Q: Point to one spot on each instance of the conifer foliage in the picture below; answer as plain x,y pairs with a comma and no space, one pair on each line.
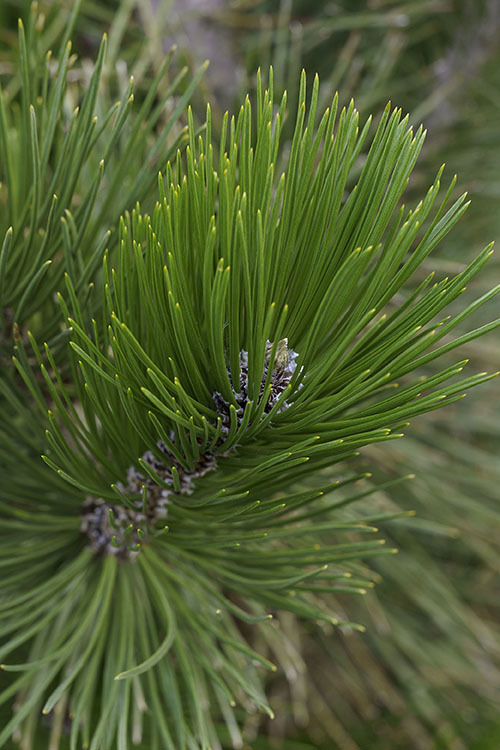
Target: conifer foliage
261,323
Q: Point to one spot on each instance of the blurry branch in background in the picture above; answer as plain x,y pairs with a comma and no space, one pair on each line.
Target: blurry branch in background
73,159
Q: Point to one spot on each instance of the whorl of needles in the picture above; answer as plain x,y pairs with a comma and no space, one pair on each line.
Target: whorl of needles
116,530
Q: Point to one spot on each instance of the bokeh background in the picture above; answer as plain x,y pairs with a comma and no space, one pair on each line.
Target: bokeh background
426,674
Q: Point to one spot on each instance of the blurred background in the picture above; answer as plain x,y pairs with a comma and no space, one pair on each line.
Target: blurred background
426,674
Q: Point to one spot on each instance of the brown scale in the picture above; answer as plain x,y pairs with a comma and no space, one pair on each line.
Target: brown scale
97,526
284,367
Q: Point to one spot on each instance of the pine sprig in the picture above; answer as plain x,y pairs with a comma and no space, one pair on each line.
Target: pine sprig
188,297
248,337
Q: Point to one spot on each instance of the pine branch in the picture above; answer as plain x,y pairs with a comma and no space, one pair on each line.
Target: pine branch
247,337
